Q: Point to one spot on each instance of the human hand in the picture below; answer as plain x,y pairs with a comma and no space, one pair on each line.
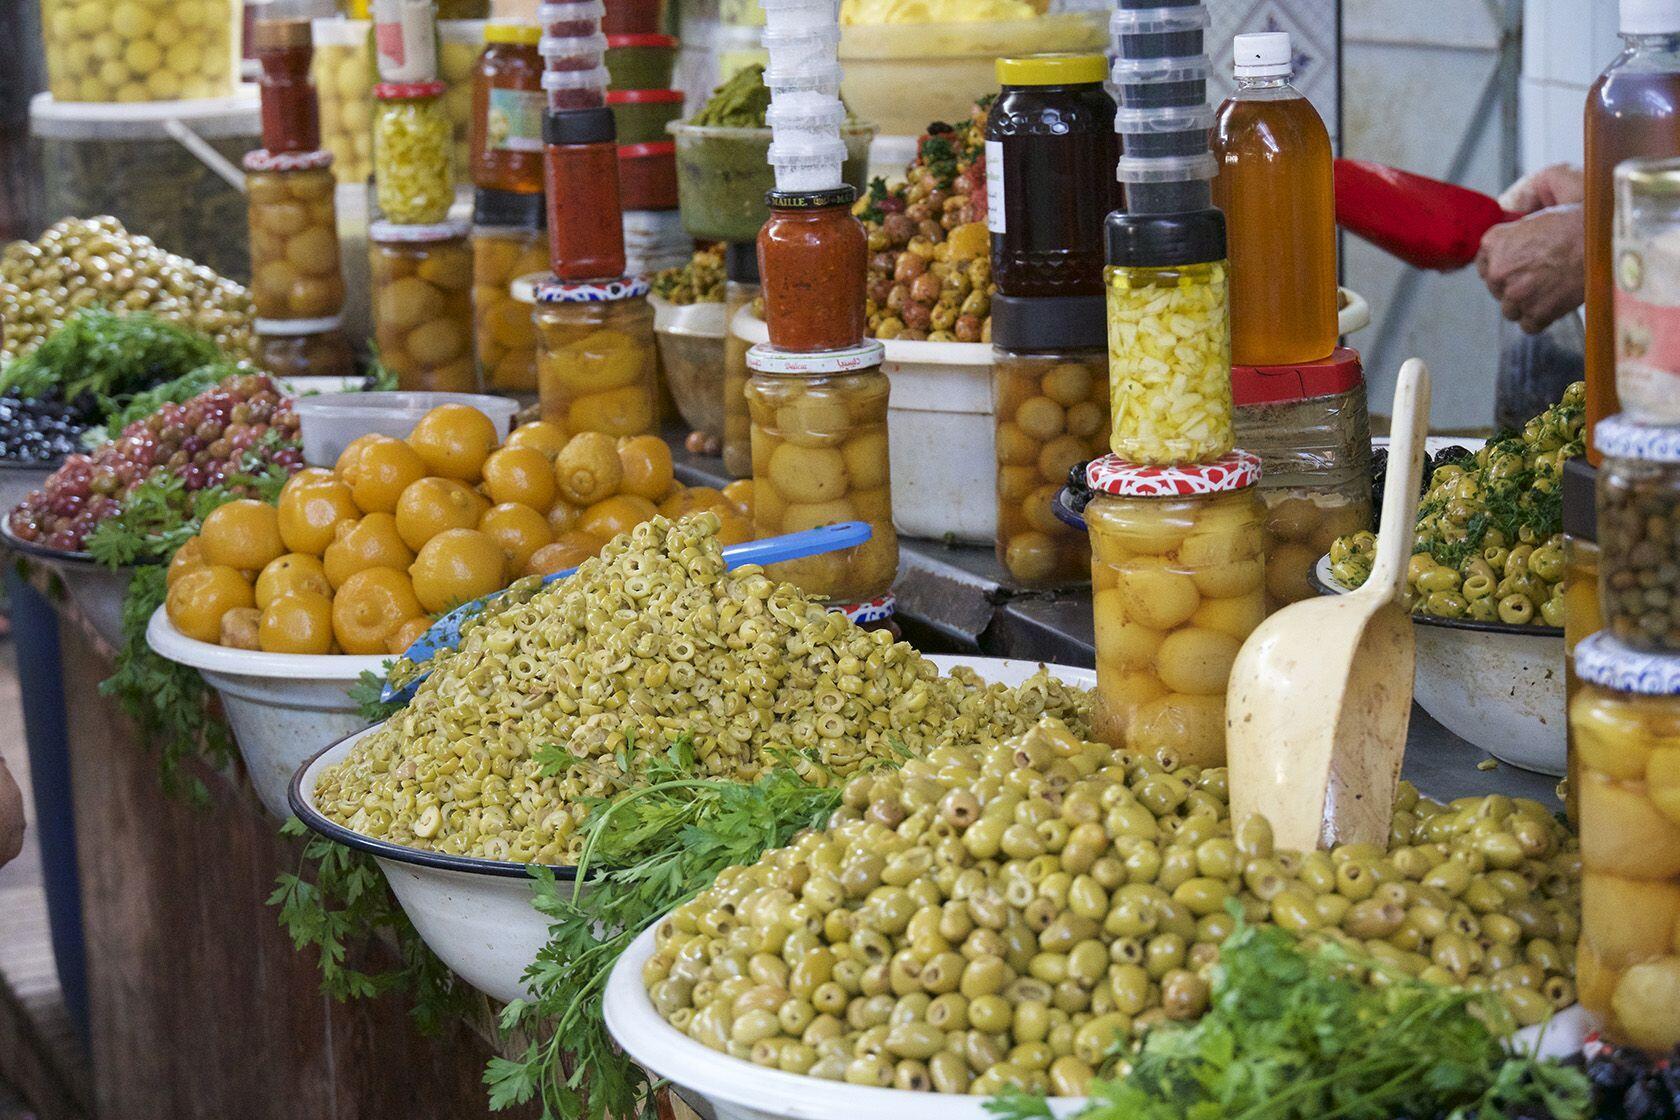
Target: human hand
1561,184
1536,266
11,816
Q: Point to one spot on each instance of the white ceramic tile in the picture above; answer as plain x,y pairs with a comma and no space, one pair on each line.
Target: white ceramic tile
1533,123
1537,25
1459,23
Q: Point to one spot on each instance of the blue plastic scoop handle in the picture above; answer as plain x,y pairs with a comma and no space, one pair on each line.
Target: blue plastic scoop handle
446,631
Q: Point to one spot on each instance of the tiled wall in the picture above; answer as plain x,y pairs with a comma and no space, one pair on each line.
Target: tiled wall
1565,45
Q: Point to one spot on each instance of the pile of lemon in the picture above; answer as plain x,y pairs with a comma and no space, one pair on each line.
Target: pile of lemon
361,558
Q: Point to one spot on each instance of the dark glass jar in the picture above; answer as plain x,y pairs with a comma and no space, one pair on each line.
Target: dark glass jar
291,120
1051,152
813,256
506,142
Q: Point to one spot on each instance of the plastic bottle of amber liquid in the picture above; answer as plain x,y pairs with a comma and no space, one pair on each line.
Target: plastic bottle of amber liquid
1633,110
1274,185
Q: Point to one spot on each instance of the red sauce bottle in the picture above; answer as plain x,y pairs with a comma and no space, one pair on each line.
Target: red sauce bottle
813,256
291,119
585,219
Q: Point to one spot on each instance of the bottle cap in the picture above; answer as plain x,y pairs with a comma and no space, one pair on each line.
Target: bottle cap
1234,470
1047,324
579,126
508,209
1601,660
1266,54
1161,19
296,328
1052,70
1300,381
1164,240
396,232
598,291
261,159
843,195
1650,17
520,34
409,91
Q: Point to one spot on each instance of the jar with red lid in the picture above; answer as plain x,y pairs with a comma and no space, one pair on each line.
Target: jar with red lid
295,268
303,348
291,120
585,218
597,361
1309,424
641,61
505,133
813,256
412,140
422,304
1178,584
641,115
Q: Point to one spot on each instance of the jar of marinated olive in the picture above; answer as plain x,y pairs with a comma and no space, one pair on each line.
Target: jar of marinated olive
1639,533
295,271
740,290
1050,402
413,138
422,304
1309,424
143,50
1178,583
1169,337
1581,615
304,348
819,452
509,241
1626,723
597,367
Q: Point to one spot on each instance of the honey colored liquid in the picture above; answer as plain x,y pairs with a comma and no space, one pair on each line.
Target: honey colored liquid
1631,112
1274,185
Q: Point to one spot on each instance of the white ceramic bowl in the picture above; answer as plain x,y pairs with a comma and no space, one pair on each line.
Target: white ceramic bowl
476,914
281,706
1497,686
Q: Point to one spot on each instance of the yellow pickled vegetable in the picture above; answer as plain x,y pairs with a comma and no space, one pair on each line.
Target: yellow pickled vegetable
411,140
934,11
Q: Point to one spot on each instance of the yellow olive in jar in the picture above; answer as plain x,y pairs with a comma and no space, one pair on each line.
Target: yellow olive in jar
874,506
1041,418
1287,566
1237,616
1068,383
798,518
814,419
808,474
1229,580
1131,690
1190,728
1015,447
1628,920
1085,420
408,302
436,343
1058,456
1611,739
314,251
1016,483
450,271
1647,1004
1126,643
284,217
866,459
621,412
1629,836
1032,556
1040,508
1291,518
1127,531
1155,596
1197,662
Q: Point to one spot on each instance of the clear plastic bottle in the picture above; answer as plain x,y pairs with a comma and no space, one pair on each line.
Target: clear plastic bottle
1274,185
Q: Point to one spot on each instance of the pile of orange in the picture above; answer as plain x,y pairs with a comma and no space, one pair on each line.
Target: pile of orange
361,558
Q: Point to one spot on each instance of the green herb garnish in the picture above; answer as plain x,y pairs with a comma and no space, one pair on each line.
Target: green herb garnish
108,355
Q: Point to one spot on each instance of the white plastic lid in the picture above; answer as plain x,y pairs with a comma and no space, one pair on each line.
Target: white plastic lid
336,31
1617,437
1264,54
387,231
1159,21
570,11
212,118
524,288
801,149
296,328
596,78
1601,660
1650,17
821,79
1153,71
1165,118
468,31
801,38
807,111
583,46
1166,169
767,359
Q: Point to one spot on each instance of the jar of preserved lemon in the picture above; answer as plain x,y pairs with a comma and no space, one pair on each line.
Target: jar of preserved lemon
1178,583
819,453
1169,337
597,366
1050,402
740,290
140,50
303,348
412,142
1626,723
422,304
1581,615
295,271
509,241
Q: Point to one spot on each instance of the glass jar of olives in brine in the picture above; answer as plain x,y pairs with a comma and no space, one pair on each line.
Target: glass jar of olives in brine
819,451
741,289
1178,583
1581,615
422,304
303,348
295,271
597,365
1639,533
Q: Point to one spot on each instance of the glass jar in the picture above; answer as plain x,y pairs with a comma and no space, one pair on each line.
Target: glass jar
142,50
295,267
1581,615
304,348
813,256
411,141
585,216
506,142
1050,157
1647,294
1639,533
597,365
422,304
819,450
1050,402
291,120
1178,583
1311,428
508,242
740,291
1626,721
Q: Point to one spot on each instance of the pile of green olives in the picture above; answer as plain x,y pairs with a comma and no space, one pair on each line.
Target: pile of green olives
990,916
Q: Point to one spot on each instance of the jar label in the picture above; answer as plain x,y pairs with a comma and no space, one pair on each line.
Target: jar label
1647,332
994,187
513,120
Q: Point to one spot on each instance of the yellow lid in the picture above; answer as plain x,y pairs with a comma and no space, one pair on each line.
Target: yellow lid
525,34
1052,70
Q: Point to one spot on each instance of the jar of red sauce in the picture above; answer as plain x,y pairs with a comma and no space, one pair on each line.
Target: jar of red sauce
291,120
507,111
813,256
585,220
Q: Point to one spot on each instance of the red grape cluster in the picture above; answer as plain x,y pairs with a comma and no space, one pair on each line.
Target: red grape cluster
203,440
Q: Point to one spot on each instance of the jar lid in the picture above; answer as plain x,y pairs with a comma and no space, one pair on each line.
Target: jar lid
1166,169
1159,20
396,232
1580,500
1022,324
1150,120
569,11
1052,70
408,91
509,209
520,34
843,195
767,359
644,39
1600,659
595,291
1160,71
644,96
1234,470
1161,240
579,126
878,609
280,34
293,328
1339,373
653,149
576,46
1617,437
595,78
261,159
524,288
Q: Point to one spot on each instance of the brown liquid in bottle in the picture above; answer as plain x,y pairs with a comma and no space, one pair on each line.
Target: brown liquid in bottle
1631,112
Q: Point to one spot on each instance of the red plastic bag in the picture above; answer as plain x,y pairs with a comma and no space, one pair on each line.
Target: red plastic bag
1423,221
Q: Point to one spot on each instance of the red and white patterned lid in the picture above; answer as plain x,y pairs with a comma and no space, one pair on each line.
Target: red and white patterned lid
409,91
261,159
870,610
1233,471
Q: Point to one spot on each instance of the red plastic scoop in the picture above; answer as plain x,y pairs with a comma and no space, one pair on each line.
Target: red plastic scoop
1423,221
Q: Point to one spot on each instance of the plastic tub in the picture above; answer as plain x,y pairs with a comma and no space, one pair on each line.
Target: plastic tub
329,423
644,61
634,17
690,340
724,173
641,115
647,176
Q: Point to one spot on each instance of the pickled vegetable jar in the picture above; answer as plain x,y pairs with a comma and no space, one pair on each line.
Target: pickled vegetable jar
819,451
814,256
1178,583
140,50
1626,722
1050,401
505,137
1309,424
1581,615
508,242
295,268
413,183
1639,533
304,348
597,365
422,304
740,291
1169,337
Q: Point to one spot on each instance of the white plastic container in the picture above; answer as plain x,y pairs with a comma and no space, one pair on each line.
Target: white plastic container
328,423
690,338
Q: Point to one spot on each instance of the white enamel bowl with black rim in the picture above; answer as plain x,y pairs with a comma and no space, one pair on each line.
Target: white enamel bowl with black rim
476,914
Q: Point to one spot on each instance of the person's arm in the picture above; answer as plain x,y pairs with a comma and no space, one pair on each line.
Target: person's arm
1536,266
11,816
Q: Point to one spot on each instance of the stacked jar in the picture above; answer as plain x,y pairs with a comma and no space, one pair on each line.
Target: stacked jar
740,292
422,304
1582,617
505,140
509,241
597,367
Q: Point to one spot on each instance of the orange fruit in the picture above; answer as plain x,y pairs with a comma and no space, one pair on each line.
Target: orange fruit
387,468
291,572
372,542
519,474
202,596
454,440
587,468
309,515
457,566
350,458
307,477
563,516
617,514
242,534
543,435
569,549
740,495
406,635
369,605
297,622
240,627
433,505
647,467
693,499
520,530
188,557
